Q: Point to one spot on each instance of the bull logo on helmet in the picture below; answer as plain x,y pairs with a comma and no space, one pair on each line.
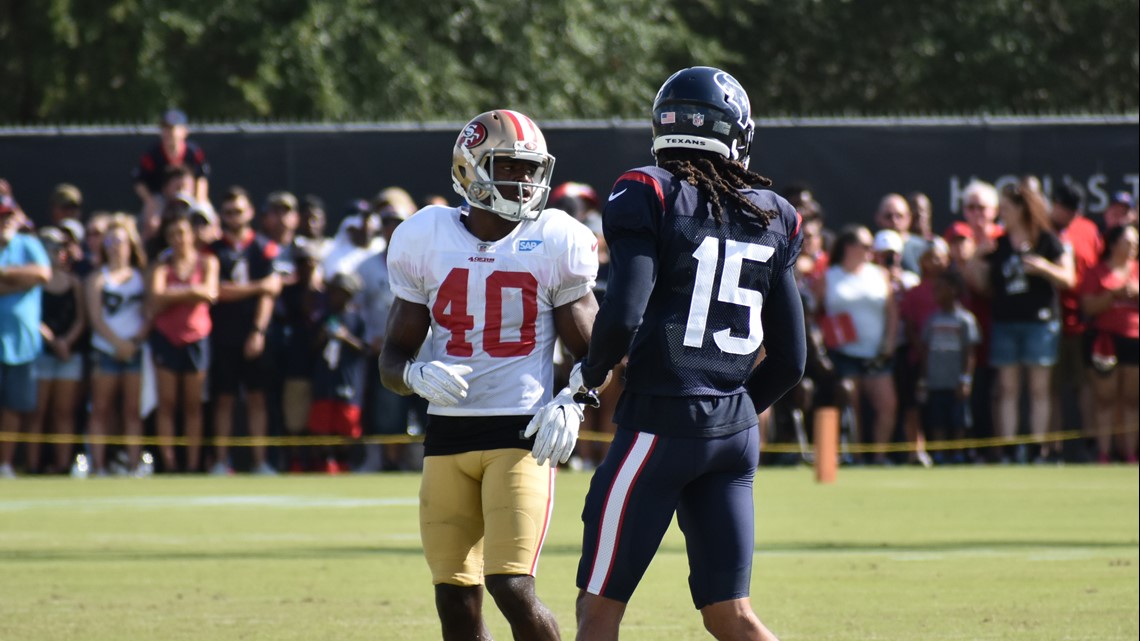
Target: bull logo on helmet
734,95
472,135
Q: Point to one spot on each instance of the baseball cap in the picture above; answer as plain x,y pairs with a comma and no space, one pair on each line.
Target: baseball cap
888,240
7,204
281,199
575,190
389,213
174,118
1122,198
74,228
958,229
347,281
52,238
205,213
66,194
184,198
358,207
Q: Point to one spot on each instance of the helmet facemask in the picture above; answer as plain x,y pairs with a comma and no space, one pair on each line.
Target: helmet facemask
494,137
529,198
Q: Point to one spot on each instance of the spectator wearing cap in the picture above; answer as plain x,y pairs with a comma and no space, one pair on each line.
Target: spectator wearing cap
303,302
311,226
1121,211
174,149
74,234
1081,240
180,289
353,242
888,247
175,196
860,325
396,197
207,227
247,287
279,221
894,214
338,379
59,367
916,306
66,202
24,269
960,239
385,412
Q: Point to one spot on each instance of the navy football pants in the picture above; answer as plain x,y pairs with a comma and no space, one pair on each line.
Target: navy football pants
644,479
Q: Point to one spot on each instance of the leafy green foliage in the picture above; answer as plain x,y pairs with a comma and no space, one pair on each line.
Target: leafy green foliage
340,60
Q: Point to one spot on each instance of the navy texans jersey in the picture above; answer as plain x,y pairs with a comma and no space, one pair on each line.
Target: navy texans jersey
249,260
701,330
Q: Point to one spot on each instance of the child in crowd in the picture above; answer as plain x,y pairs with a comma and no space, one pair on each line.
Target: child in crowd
338,378
948,341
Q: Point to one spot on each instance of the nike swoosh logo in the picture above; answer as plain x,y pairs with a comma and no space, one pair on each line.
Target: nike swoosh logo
614,195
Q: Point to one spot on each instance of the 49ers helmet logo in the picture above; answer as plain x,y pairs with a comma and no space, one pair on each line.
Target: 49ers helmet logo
473,134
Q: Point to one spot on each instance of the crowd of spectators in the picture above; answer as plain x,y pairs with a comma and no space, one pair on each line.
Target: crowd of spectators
185,319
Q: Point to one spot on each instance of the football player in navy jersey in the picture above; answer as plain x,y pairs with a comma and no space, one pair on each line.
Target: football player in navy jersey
701,274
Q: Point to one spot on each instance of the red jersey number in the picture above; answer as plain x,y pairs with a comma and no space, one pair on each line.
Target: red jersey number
450,311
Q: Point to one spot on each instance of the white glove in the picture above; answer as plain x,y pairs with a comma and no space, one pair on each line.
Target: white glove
557,427
439,383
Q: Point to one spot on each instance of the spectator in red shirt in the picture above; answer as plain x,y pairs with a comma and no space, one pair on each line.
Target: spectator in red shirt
1109,298
173,149
181,288
1081,239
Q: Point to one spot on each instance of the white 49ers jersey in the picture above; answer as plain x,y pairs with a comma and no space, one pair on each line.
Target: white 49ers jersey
491,302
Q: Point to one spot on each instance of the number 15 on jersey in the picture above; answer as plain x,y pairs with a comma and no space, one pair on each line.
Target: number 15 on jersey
728,291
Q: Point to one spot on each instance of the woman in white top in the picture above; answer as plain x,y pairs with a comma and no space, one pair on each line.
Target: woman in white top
858,301
115,297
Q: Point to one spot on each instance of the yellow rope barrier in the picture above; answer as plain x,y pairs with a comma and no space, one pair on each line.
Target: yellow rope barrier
307,441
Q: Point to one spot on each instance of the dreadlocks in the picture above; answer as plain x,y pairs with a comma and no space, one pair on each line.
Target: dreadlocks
718,178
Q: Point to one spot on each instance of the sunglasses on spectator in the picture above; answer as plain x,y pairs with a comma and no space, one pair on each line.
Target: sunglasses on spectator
232,211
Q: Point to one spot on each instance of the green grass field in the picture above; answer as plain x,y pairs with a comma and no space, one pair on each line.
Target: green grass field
885,554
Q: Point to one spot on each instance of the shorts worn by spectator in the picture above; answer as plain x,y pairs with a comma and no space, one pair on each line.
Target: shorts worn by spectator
247,287
24,268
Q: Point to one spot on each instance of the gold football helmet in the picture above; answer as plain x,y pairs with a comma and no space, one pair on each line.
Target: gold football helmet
501,134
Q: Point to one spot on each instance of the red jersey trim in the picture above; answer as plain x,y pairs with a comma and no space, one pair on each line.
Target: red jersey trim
645,179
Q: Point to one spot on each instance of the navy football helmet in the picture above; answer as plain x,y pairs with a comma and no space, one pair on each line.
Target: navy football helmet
703,108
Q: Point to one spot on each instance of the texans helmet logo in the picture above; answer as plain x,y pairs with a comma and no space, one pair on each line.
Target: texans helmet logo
473,134
735,96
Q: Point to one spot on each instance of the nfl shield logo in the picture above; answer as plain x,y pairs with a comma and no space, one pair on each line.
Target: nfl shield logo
698,120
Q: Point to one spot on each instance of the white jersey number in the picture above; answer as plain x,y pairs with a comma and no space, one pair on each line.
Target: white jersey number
729,291
450,311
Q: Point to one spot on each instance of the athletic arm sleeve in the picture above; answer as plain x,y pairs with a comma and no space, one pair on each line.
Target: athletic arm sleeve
629,221
633,272
783,366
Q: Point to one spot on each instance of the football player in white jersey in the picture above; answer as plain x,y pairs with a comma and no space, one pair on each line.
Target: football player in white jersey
496,282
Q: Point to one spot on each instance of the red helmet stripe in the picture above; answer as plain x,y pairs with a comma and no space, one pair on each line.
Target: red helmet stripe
517,120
